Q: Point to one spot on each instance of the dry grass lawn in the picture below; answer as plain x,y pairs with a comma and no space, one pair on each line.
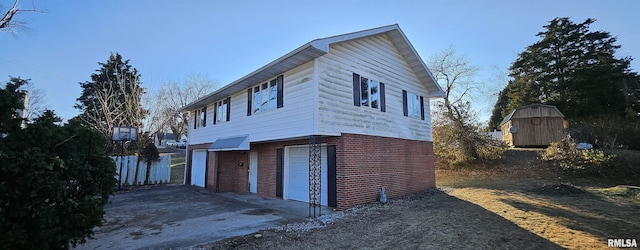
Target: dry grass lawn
177,168
569,212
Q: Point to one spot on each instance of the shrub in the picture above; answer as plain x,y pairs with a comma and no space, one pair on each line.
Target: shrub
565,154
480,148
607,132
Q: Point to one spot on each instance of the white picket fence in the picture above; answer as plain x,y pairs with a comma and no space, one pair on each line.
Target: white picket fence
160,170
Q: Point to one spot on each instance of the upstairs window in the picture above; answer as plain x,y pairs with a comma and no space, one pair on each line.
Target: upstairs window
412,105
200,118
265,96
368,93
222,111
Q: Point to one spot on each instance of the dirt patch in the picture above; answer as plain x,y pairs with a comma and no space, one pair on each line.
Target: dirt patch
518,203
432,219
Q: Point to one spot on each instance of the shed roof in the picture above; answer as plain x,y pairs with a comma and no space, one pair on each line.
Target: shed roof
317,48
510,115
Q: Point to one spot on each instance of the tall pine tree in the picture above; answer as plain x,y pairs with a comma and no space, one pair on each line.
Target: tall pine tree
499,110
112,97
572,68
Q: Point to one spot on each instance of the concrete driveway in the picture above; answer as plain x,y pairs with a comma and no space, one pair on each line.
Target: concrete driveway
178,216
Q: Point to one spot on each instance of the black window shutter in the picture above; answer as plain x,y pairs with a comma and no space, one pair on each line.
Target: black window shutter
421,108
204,121
383,103
280,83
215,113
405,110
249,98
195,118
228,101
332,193
279,166
356,89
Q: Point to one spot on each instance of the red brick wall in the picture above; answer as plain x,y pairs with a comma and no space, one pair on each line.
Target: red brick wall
212,172
365,164
234,171
267,162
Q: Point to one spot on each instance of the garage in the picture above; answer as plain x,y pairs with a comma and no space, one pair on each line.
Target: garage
296,174
198,166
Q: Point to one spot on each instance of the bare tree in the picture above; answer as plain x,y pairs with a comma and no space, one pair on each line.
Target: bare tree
456,131
35,104
165,104
8,22
111,109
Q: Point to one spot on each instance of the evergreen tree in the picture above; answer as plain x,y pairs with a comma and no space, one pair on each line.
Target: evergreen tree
499,110
572,68
54,180
112,97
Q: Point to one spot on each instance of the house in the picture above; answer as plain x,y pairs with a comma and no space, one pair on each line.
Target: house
334,121
167,139
161,139
533,125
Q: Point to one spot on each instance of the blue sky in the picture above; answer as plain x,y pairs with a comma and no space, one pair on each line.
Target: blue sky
225,40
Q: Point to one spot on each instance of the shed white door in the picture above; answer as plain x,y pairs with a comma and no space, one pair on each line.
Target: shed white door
296,174
198,166
253,172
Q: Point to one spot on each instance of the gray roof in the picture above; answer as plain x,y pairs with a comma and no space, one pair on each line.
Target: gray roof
230,143
317,48
510,115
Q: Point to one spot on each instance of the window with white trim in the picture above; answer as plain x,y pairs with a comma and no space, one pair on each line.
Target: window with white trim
221,112
265,96
368,93
200,118
412,105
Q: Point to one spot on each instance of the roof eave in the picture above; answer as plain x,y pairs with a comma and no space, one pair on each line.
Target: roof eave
295,58
317,48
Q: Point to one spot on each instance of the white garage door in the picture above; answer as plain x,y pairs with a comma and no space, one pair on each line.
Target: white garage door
296,174
198,166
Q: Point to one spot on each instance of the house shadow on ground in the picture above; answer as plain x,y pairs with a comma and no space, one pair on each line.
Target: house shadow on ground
428,220
584,211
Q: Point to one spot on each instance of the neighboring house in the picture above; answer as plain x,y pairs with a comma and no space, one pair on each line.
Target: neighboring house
533,125
364,95
161,139
164,139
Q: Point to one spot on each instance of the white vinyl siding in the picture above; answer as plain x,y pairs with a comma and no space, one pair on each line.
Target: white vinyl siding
294,119
375,58
319,99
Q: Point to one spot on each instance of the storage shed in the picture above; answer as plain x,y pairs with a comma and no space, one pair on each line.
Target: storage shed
532,126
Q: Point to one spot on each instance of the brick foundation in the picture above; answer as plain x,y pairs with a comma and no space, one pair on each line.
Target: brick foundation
364,164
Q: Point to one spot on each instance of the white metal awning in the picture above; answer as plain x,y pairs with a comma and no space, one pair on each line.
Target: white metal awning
230,143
